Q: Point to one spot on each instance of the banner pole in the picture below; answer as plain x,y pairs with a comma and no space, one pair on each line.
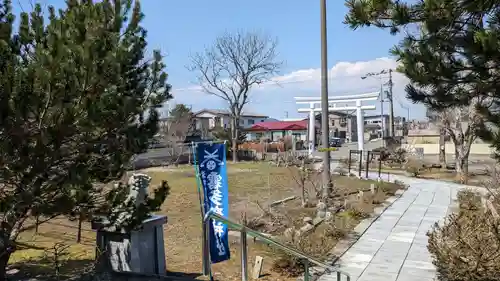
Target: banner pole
198,184
205,248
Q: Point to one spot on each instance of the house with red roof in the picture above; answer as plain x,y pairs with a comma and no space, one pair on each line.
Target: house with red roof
275,130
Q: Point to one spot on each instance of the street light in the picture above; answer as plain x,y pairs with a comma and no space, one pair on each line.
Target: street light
389,95
382,119
325,131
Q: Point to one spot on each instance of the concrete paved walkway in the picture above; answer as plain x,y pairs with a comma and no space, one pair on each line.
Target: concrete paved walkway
394,247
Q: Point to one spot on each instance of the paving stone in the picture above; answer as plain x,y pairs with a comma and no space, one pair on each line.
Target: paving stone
356,257
419,253
403,228
393,267
377,234
418,264
395,247
409,277
346,264
385,258
374,274
366,248
424,273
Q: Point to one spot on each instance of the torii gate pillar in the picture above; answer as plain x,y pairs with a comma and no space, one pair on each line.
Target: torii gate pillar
312,129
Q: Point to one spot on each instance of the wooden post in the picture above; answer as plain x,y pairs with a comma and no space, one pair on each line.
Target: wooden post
257,268
360,159
367,165
349,163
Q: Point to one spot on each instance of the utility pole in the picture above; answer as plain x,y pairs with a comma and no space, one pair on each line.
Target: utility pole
382,118
391,106
326,180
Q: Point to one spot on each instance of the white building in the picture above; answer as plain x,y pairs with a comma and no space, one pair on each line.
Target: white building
384,121
207,119
381,120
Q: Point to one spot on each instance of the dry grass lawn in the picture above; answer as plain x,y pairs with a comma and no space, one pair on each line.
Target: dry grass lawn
248,183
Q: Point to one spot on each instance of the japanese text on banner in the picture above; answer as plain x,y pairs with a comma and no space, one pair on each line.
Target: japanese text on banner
212,170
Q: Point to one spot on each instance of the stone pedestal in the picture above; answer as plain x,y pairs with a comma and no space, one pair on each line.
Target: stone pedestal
140,251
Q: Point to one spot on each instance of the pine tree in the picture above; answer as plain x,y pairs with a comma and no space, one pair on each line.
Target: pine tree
78,98
450,53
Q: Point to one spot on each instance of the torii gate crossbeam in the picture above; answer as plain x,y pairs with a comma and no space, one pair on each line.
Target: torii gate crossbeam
357,99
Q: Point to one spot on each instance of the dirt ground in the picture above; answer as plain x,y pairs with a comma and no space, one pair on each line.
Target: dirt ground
250,185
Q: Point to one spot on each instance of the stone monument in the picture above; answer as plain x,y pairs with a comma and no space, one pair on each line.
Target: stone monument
138,251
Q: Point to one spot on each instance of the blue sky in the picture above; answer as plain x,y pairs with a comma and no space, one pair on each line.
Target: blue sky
179,28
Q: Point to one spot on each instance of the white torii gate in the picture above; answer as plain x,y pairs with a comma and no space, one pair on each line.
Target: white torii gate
332,102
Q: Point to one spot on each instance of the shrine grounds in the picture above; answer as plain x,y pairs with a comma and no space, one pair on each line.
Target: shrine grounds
252,188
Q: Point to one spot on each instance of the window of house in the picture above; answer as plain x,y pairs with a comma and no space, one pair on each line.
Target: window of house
251,122
217,121
333,122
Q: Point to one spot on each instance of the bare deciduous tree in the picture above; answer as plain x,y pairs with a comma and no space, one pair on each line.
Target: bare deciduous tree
462,125
232,66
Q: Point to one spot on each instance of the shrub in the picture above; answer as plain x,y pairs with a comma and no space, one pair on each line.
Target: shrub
316,246
389,189
466,247
414,167
360,209
399,156
384,153
343,166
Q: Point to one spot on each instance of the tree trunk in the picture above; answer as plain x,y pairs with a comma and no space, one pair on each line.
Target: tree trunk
235,150
461,169
235,132
4,261
462,163
7,247
442,152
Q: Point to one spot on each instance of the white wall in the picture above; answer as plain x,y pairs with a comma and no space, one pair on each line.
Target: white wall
244,121
476,148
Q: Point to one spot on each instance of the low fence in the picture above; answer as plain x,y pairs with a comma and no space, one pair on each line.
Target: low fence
263,147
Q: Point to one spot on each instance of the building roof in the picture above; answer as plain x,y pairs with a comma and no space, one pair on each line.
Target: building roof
279,126
226,112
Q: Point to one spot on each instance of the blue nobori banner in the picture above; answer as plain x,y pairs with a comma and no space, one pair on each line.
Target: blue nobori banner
211,159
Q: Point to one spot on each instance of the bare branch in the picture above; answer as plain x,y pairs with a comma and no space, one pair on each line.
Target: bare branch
234,64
